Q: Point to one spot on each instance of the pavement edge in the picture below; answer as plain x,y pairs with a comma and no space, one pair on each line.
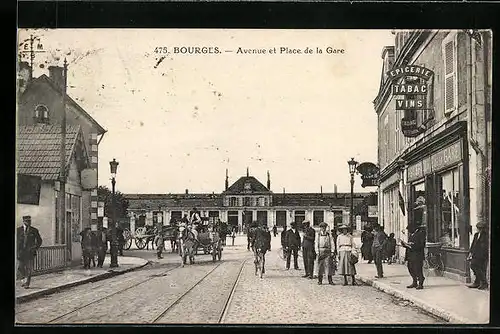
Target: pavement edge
436,311
96,278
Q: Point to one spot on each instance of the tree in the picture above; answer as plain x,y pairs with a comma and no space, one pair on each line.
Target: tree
105,195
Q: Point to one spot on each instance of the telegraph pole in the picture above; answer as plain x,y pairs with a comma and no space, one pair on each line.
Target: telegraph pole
64,234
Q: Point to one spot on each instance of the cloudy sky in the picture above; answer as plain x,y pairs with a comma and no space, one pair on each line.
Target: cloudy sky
178,123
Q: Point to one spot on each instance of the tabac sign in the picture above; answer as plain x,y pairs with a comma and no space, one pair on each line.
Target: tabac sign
412,84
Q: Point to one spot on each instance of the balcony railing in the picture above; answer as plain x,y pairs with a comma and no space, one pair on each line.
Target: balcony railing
49,258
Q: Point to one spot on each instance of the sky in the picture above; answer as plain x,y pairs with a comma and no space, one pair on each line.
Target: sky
179,122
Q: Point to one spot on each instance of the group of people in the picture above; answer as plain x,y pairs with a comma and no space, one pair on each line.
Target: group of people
376,246
332,252
95,244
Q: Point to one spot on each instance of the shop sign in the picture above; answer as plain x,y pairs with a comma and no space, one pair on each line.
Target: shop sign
369,174
437,161
414,89
415,171
372,211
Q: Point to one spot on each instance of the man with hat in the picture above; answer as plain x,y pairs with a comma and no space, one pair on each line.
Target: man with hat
415,255
478,257
325,247
308,252
292,245
28,241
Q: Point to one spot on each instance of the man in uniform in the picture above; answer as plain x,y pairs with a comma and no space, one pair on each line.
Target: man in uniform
478,257
308,252
415,255
28,241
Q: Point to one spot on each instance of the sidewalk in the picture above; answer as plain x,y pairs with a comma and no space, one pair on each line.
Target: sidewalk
53,282
446,298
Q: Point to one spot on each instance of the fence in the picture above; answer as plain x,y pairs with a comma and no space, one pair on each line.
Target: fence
49,258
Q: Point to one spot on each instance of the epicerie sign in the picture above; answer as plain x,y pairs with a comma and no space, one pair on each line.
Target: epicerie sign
412,83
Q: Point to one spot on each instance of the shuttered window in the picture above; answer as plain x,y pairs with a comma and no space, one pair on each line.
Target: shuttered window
450,73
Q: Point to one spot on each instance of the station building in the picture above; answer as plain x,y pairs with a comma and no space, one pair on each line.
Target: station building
246,200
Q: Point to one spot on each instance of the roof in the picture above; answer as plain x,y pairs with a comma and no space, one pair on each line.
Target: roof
154,201
239,186
45,79
38,149
317,199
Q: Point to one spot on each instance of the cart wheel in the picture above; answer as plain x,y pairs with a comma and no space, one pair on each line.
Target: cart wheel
128,239
140,243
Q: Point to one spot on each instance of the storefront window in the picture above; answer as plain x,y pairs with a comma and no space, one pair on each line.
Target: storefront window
449,207
418,204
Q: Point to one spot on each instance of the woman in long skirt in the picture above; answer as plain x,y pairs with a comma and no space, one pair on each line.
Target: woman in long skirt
346,248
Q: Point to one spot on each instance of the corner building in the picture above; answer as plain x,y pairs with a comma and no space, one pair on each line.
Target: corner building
447,165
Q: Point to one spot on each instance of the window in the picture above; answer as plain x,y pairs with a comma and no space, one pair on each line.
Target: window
300,216
73,218
450,73
247,201
449,207
337,218
281,218
262,201
318,217
175,216
233,201
41,114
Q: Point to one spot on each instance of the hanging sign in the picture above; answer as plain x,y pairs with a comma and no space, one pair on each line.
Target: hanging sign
369,174
411,82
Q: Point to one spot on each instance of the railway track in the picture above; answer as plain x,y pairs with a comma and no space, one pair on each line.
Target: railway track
150,278
227,299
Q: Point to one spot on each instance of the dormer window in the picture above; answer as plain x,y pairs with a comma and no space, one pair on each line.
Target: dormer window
41,114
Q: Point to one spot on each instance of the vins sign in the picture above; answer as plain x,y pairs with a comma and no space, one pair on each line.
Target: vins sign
411,82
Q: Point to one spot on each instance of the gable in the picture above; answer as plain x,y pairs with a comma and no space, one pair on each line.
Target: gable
247,185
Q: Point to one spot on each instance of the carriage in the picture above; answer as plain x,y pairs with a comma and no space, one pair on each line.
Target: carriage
146,234
209,242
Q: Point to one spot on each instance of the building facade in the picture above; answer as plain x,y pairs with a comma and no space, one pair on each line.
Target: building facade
434,139
246,200
39,116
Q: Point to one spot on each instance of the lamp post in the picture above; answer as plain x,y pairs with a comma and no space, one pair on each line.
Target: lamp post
352,170
114,239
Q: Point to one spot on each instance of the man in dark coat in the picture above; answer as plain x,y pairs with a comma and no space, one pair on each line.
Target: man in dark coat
367,241
28,241
415,255
378,250
308,252
102,245
87,249
478,257
292,245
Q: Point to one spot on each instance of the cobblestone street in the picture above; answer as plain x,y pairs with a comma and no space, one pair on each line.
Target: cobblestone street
164,292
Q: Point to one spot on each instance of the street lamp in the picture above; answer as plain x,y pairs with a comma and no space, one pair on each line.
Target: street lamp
352,170
114,240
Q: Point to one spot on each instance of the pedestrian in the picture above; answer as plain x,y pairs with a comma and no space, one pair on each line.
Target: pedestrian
233,234
86,245
478,257
347,254
377,250
325,248
28,242
291,246
415,255
389,248
102,246
275,231
366,243
308,252
283,242
160,244
121,239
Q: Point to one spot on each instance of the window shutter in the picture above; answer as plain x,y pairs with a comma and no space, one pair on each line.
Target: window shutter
450,75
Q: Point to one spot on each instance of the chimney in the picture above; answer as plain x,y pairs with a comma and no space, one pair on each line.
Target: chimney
187,191
335,190
268,181
56,74
227,180
321,189
23,76
248,174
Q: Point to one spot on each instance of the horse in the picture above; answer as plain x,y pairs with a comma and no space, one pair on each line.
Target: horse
261,243
172,234
250,237
187,245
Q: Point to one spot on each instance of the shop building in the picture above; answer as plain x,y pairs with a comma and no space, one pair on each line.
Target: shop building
434,148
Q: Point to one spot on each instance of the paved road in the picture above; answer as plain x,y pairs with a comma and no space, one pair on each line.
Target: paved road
164,292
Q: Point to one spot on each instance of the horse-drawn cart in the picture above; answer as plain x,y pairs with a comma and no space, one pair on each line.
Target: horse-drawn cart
145,235
210,243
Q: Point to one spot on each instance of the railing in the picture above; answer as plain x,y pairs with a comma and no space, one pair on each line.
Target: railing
49,258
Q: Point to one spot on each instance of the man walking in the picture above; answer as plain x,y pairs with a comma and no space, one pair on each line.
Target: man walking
102,246
28,241
308,252
283,241
478,257
325,249
415,256
292,245
378,250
